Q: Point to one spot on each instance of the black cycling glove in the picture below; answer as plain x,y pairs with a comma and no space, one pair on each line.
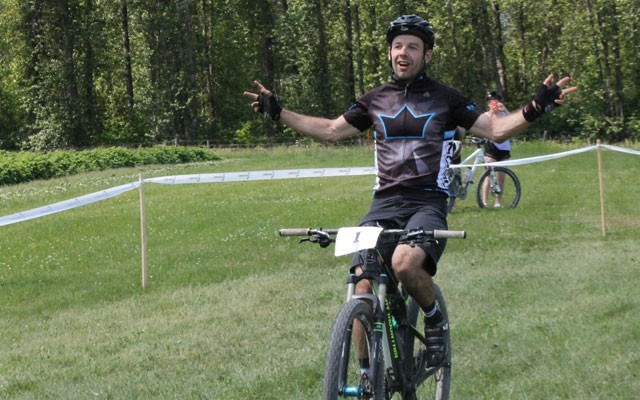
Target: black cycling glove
268,105
545,102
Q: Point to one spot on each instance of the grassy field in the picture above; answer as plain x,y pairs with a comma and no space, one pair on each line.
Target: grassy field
542,305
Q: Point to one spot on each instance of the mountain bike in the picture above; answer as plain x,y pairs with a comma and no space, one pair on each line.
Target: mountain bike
498,187
392,323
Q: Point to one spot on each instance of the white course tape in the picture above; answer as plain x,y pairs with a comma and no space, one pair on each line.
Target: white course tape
530,160
67,204
621,149
261,175
254,176
179,179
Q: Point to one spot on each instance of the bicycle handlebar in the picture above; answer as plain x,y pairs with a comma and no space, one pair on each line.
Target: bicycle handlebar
479,141
436,234
305,231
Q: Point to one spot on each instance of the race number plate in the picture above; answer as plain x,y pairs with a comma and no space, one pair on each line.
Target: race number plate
352,239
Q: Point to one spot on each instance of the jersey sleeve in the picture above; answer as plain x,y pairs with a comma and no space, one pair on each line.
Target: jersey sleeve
464,112
358,114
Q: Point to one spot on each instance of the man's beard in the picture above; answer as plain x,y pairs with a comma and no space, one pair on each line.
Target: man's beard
418,72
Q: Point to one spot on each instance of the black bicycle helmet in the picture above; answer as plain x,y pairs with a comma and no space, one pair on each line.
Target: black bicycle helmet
412,25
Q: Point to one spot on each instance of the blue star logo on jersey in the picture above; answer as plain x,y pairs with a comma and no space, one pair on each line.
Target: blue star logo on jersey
405,124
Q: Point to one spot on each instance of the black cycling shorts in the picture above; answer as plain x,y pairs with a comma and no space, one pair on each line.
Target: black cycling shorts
408,209
499,155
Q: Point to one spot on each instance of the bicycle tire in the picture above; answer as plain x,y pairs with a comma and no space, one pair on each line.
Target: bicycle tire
342,367
431,383
454,188
510,191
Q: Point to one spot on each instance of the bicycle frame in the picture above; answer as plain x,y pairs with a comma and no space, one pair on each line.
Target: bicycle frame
467,179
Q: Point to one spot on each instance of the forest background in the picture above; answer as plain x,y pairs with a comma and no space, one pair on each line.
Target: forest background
87,73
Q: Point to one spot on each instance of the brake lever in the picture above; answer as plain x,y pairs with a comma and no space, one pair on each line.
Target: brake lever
321,238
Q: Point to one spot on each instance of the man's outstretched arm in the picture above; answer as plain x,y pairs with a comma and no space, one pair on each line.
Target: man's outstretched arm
499,129
331,130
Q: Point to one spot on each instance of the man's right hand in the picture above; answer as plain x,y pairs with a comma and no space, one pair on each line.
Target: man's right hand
549,96
265,102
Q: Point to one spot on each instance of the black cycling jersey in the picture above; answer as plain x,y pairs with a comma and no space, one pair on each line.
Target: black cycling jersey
414,124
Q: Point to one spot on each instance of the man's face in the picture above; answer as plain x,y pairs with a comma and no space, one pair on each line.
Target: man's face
407,56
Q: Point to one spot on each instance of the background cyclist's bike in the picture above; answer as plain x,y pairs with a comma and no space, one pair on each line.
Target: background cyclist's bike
497,187
391,322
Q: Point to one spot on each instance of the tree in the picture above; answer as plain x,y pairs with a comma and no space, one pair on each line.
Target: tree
60,72
76,73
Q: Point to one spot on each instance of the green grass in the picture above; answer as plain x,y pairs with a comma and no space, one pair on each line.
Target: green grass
542,305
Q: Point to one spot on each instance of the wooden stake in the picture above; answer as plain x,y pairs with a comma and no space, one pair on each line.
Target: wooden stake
601,179
143,234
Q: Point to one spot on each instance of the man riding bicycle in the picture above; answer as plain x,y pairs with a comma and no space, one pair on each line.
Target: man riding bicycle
415,119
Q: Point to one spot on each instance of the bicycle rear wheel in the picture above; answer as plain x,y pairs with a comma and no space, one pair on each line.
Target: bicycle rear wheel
432,383
496,195
343,377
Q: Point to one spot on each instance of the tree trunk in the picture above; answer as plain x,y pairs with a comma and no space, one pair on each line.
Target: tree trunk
372,53
266,53
501,82
522,34
324,89
89,129
601,48
208,16
126,47
359,52
617,65
348,44
189,70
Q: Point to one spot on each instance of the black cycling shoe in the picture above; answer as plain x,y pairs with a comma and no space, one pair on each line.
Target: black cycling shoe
436,343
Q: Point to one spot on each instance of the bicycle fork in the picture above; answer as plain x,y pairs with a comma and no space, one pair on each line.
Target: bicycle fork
494,183
386,349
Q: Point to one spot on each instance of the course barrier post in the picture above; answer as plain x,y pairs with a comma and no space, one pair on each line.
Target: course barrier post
143,234
601,180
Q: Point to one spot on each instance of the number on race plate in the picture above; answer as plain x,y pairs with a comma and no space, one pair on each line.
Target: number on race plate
353,239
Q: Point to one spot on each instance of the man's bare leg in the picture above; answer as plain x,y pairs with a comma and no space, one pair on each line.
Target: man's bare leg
359,340
408,264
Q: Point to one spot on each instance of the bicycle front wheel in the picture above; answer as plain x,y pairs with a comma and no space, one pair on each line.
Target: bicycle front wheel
352,341
498,187
451,203
455,186
432,383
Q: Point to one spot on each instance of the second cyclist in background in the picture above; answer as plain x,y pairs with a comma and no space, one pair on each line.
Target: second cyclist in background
494,151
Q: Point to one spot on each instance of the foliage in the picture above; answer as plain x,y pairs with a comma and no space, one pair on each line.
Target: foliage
83,73
28,166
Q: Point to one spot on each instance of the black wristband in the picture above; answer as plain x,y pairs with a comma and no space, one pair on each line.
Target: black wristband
530,112
268,105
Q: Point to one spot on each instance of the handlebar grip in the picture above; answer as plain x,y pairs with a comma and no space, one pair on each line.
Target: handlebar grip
439,234
294,232
305,231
